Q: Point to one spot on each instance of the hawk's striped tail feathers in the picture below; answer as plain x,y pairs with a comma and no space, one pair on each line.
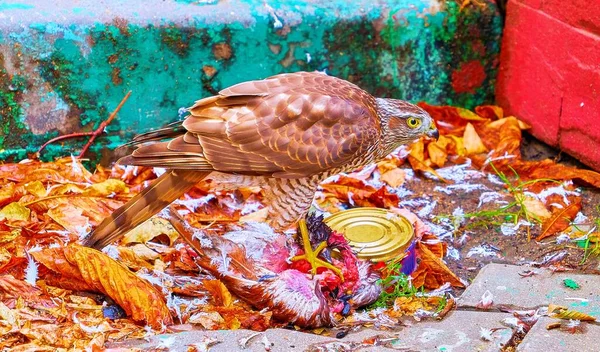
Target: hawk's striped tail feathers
162,192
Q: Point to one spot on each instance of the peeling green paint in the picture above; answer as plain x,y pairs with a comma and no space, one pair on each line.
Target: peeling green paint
409,49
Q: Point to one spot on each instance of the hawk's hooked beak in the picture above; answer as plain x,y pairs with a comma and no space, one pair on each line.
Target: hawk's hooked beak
433,132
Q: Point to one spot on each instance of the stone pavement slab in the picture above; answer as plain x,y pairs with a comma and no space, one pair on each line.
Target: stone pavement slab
459,331
229,340
545,287
541,339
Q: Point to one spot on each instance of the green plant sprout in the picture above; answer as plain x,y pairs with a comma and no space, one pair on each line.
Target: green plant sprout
591,244
395,284
513,211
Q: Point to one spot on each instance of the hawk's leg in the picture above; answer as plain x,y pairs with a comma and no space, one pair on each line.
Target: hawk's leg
312,255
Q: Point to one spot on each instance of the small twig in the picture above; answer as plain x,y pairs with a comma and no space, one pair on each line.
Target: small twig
98,131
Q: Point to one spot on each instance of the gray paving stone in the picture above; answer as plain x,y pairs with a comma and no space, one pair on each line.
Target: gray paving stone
228,340
546,287
459,331
541,339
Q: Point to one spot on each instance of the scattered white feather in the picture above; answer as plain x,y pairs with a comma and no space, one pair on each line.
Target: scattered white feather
453,253
483,251
31,271
510,229
76,166
266,343
487,197
563,238
204,345
580,218
276,22
486,301
485,334
102,327
350,200
426,210
560,190
165,341
462,172
111,251
193,204
460,187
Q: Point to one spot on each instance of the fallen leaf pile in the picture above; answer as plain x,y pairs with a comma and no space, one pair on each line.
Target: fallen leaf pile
57,294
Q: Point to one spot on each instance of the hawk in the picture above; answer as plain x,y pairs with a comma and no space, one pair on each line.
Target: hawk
285,133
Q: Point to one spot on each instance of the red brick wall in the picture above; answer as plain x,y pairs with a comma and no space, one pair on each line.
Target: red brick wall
550,72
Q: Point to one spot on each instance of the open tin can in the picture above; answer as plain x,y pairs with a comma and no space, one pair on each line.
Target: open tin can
375,234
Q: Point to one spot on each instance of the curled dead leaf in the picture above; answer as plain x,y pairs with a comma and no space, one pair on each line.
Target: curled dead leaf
561,219
137,297
432,272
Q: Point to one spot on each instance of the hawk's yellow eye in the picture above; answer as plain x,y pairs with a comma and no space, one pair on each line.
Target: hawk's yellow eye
413,122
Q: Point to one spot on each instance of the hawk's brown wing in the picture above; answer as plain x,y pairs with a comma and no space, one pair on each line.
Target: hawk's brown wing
289,125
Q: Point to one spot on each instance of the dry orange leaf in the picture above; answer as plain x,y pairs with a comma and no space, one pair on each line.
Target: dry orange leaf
394,178
219,293
432,272
137,297
550,169
560,220
437,154
491,112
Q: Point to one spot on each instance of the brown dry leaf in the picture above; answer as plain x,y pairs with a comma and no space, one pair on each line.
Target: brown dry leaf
432,272
451,120
394,177
503,136
218,292
137,297
149,230
472,142
560,220
491,112
551,170
69,217
344,185
417,160
15,212
8,193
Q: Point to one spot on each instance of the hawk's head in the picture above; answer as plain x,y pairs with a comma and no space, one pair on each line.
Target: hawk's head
403,122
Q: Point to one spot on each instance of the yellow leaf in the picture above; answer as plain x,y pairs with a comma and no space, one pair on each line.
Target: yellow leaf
106,188
472,142
149,230
36,188
219,293
15,212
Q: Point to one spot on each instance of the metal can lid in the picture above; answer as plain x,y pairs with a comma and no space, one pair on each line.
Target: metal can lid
376,234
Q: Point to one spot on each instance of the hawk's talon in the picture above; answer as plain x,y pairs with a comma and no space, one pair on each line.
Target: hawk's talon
311,255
